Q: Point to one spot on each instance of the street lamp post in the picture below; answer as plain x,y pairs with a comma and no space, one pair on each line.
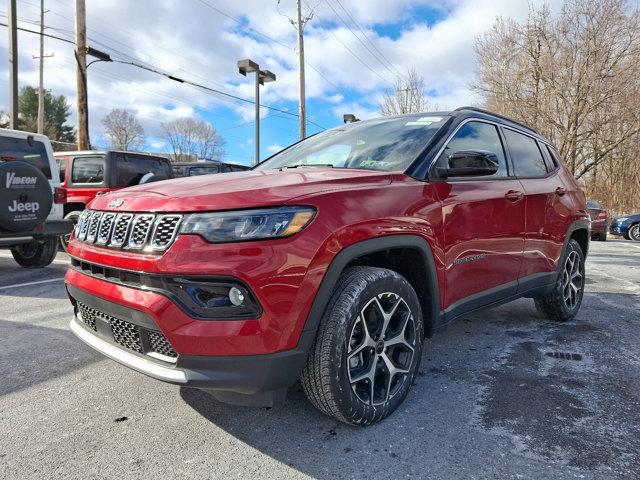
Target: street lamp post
99,57
262,77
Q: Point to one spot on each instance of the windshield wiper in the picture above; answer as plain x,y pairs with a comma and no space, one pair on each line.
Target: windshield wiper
302,165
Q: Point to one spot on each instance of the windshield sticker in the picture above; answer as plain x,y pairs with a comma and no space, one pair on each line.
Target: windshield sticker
373,164
430,119
413,124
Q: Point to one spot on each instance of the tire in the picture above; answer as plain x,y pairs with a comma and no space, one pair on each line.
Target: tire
634,232
563,302
348,373
73,216
600,237
35,254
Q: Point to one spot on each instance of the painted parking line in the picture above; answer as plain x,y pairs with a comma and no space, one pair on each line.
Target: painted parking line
27,284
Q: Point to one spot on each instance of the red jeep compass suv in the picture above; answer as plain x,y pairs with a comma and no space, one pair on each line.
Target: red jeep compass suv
331,261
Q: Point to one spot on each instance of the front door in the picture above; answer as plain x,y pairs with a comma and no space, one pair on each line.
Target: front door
483,220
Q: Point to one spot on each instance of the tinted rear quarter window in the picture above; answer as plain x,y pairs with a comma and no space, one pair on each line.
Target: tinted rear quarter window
131,168
88,169
202,170
32,152
62,167
526,156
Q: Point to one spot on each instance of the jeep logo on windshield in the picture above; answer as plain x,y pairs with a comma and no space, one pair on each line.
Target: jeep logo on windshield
115,203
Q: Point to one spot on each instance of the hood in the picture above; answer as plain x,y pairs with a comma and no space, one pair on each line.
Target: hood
228,191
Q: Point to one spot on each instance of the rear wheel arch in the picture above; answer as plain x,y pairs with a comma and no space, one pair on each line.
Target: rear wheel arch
386,252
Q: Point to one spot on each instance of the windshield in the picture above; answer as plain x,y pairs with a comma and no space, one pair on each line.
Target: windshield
388,144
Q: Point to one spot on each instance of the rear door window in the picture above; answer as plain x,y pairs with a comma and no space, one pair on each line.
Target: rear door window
131,169
527,158
89,169
26,150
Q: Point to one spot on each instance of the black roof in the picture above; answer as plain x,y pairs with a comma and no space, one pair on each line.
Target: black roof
495,116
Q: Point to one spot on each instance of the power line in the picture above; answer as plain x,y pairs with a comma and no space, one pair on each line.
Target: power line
177,79
362,62
373,55
278,42
364,34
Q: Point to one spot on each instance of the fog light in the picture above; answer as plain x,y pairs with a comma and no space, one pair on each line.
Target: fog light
236,296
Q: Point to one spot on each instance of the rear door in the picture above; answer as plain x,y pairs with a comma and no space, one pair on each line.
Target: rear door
483,219
548,208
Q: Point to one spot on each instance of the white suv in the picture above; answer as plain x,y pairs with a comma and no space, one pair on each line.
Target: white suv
30,198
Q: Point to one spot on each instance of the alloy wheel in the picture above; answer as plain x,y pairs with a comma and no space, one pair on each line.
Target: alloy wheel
572,280
634,233
27,250
381,349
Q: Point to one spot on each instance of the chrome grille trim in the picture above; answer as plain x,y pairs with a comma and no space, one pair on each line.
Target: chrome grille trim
147,232
164,231
104,231
94,223
83,224
120,229
140,229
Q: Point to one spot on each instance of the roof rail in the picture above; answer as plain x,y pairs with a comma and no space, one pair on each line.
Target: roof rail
487,112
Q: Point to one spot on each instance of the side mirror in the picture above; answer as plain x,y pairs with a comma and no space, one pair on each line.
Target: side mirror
471,163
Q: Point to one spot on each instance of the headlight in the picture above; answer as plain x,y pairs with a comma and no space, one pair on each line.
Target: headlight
622,219
243,225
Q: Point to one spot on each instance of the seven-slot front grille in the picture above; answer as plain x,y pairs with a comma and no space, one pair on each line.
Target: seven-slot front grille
142,231
128,335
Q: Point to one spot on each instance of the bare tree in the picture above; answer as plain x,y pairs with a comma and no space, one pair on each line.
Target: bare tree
191,139
408,96
575,77
123,130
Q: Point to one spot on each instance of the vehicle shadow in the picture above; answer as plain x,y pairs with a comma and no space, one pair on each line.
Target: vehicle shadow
32,354
298,435
457,400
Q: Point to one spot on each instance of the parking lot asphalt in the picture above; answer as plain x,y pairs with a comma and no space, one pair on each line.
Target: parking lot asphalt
501,394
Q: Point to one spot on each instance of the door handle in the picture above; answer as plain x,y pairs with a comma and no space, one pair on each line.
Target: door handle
514,195
560,191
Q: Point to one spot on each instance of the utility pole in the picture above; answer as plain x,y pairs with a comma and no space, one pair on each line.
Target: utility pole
299,23
302,110
13,65
41,86
81,75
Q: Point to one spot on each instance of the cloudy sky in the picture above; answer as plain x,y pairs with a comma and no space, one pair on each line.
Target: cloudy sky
354,50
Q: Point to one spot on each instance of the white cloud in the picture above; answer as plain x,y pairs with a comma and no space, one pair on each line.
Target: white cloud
275,148
194,41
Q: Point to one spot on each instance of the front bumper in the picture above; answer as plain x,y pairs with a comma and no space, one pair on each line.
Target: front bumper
256,380
619,228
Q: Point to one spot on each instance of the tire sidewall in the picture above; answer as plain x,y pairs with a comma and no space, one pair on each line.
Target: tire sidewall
73,216
573,246
348,402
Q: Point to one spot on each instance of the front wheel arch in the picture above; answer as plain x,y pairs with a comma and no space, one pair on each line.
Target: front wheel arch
350,254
